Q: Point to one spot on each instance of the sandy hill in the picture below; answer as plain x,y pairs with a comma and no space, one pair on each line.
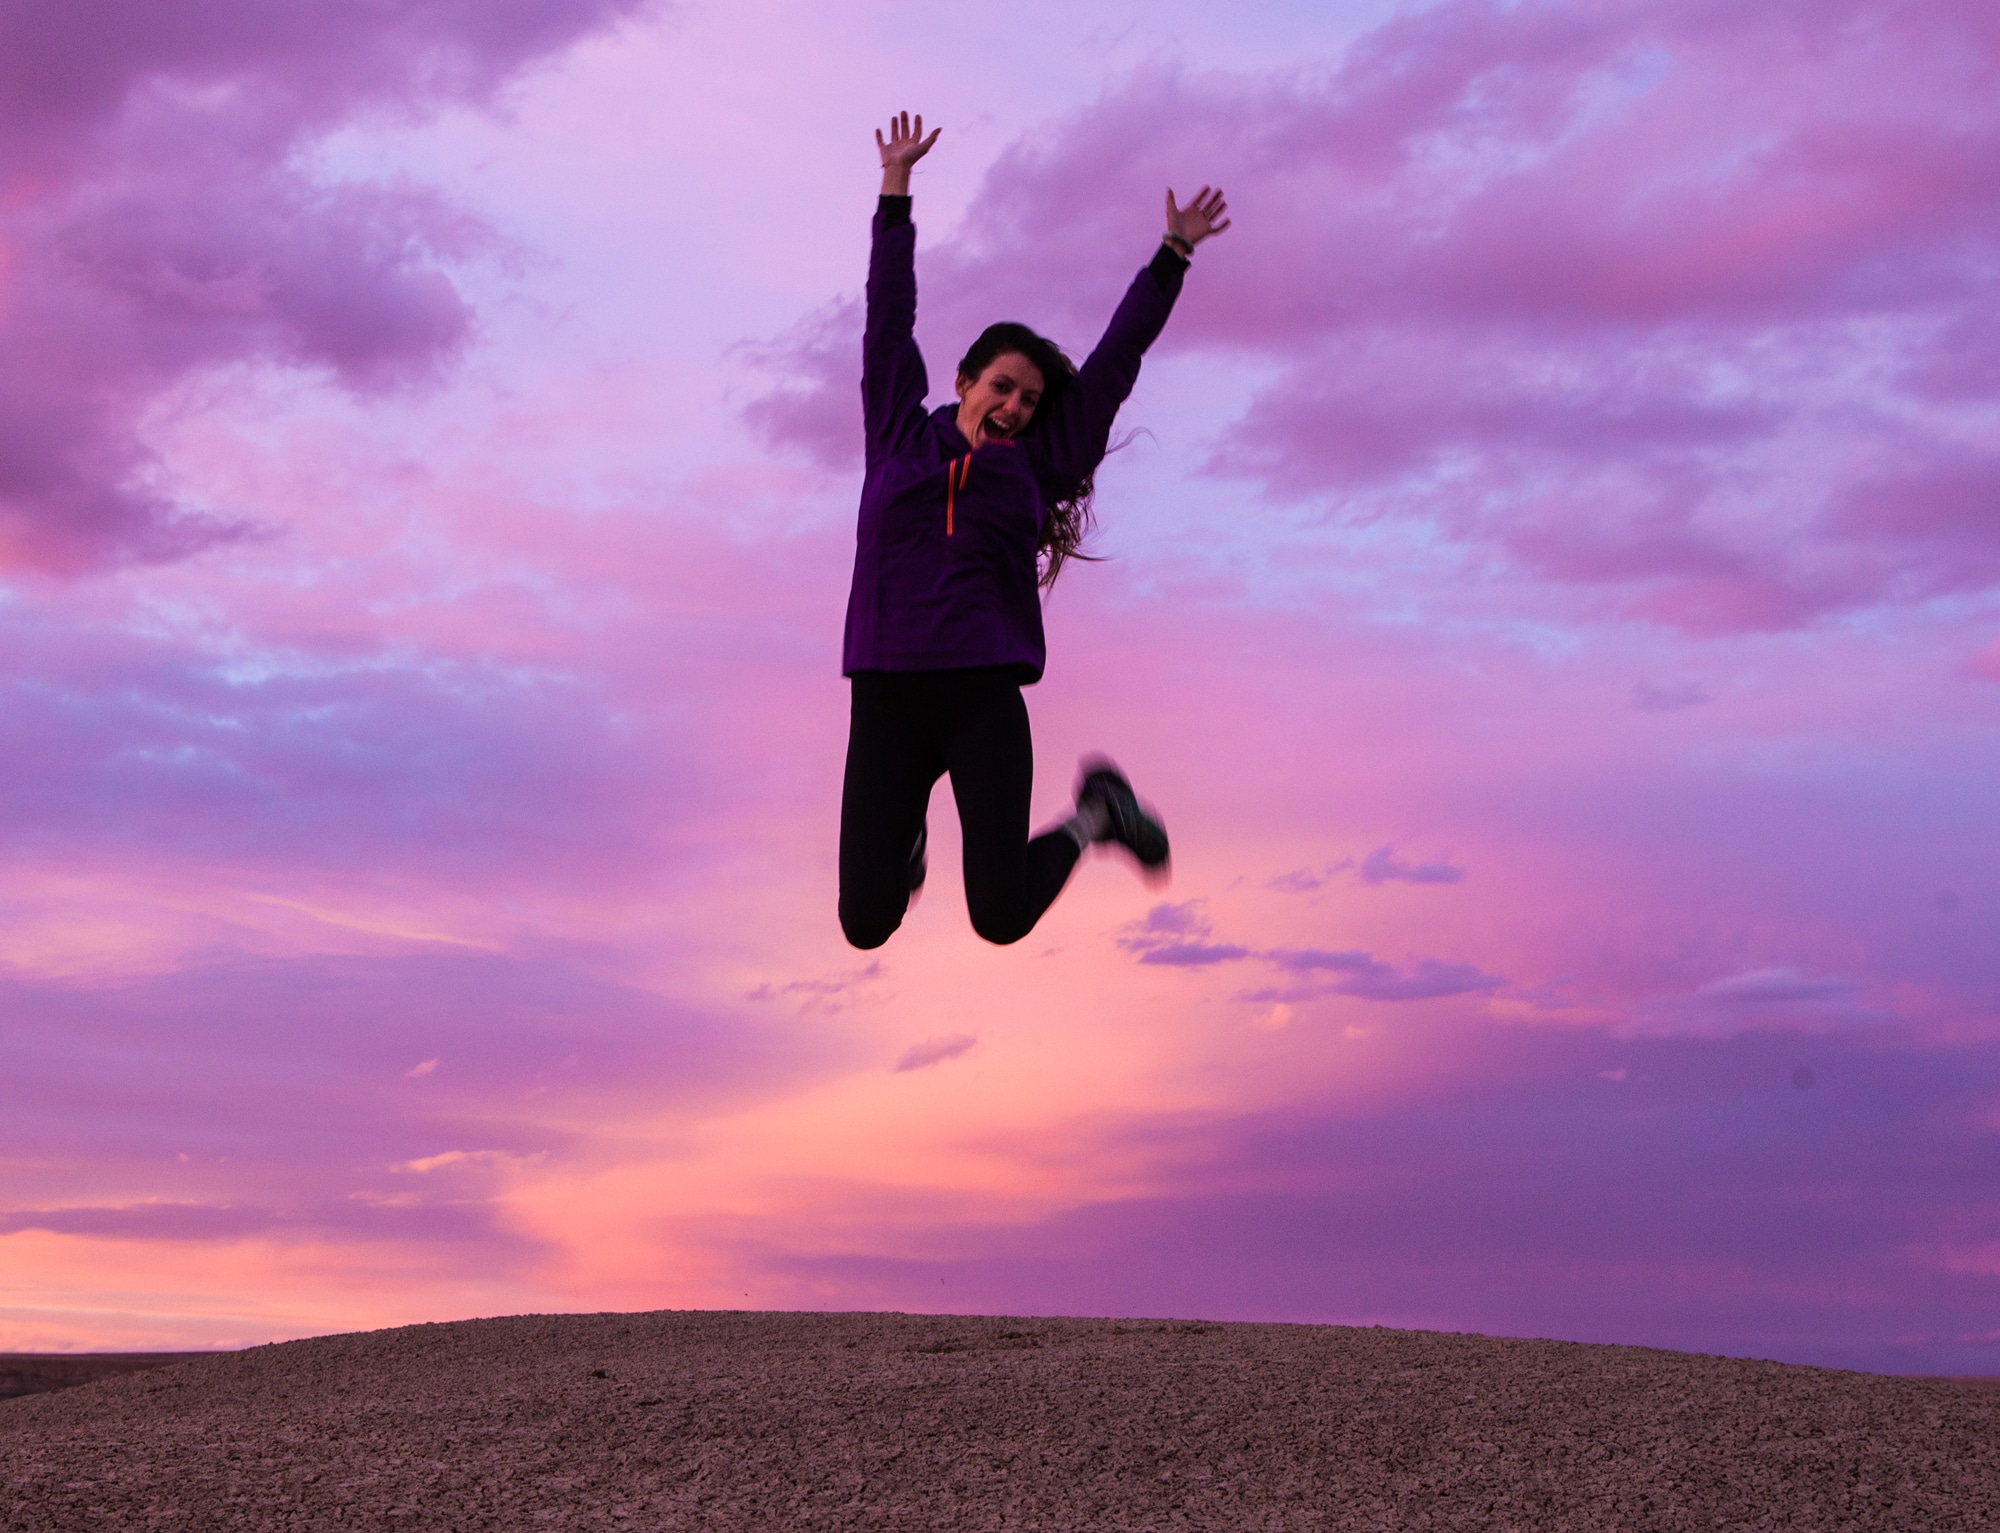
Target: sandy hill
714,1421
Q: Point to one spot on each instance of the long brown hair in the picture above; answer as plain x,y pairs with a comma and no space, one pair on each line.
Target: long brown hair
1069,520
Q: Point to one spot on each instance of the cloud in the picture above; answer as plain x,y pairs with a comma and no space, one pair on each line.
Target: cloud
1172,935
1194,955
1381,866
1367,977
1650,697
1759,1000
814,404
1298,881
144,1221
1674,307
818,989
424,1165
1175,936
158,217
935,1051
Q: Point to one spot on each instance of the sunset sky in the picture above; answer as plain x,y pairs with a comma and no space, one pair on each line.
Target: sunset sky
1554,602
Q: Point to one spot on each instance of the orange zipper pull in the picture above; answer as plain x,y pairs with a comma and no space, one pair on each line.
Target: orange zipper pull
954,481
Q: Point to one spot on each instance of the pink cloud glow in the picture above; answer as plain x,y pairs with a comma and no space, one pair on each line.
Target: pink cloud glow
1554,608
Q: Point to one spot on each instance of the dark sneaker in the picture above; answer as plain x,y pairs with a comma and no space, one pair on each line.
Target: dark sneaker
919,862
1128,822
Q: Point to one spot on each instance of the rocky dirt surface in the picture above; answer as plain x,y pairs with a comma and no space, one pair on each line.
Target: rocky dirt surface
714,1421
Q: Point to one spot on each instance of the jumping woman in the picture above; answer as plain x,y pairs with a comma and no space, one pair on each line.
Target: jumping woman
968,511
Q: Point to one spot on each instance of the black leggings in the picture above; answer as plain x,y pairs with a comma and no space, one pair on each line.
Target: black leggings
908,729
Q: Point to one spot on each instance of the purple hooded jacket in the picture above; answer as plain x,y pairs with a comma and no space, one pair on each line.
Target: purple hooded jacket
944,559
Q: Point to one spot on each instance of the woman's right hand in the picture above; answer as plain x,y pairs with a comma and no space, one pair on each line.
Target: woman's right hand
900,150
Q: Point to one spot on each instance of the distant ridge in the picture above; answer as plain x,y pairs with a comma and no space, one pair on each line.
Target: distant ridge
34,1373
731,1420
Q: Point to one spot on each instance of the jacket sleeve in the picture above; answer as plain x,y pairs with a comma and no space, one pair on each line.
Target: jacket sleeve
893,383
1072,442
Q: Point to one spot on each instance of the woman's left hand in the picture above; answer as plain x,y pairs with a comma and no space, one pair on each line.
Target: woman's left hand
1202,216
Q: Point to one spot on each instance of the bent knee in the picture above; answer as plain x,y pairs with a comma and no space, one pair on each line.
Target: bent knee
866,932
999,930
866,937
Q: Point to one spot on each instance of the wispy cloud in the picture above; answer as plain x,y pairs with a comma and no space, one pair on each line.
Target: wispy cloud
1298,881
935,1051
820,995
1176,936
1367,977
424,1165
1382,866
1779,999
144,1221
1655,697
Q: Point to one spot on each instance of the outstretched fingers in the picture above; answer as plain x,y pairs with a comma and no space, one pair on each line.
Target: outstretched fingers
906,143
1202,216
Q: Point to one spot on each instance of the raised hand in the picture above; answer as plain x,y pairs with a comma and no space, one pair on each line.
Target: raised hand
900,150
1189,226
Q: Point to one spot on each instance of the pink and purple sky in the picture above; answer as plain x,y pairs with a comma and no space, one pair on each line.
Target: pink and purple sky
1555,604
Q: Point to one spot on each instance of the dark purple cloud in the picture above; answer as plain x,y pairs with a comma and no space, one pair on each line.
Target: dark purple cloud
156,219
1173,935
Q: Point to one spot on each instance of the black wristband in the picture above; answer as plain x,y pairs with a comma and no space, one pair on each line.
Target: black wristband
893,211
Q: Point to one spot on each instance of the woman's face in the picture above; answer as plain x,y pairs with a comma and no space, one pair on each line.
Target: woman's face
999,403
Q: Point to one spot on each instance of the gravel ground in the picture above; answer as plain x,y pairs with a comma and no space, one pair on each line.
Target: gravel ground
714,1421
